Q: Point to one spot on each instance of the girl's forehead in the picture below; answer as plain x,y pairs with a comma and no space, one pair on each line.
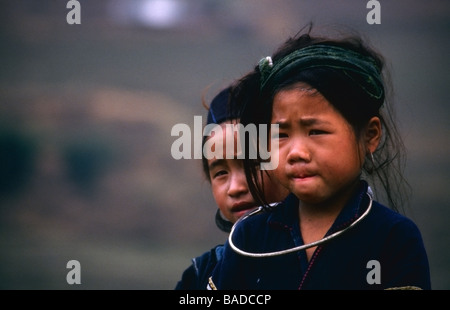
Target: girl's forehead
299,100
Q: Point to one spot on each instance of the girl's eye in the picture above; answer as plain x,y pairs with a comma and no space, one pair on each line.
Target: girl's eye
314,132
280,135
219,173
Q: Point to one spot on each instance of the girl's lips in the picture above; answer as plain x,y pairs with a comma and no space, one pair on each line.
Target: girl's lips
242,206
300,174
241,213
303,177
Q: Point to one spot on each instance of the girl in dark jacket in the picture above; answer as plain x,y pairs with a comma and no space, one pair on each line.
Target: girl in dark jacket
228,184
339,155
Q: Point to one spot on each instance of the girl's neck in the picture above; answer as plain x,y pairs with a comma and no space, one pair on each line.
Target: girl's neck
314,224
329,208
316,219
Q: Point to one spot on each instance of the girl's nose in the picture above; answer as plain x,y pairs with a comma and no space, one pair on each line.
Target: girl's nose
298,151
238,185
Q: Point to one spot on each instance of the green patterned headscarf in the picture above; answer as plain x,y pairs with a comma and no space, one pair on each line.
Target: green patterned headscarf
361,69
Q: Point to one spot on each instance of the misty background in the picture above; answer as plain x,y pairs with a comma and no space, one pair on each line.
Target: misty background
86,113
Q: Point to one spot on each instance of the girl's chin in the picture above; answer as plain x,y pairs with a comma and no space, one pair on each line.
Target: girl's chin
237,215
305,194
305,185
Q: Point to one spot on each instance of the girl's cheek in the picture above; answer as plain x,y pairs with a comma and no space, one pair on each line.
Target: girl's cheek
282,158
279,173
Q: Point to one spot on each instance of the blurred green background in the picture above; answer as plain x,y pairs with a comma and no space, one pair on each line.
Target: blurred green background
86,113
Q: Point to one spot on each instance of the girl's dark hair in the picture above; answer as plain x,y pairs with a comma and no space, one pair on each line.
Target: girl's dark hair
386,170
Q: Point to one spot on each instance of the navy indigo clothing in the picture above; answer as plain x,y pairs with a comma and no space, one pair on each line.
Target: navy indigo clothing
348,262
195,277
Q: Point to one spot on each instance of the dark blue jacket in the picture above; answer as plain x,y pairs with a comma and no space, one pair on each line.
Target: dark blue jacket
385,247
195,277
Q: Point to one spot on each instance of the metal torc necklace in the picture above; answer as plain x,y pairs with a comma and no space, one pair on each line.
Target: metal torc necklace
298,248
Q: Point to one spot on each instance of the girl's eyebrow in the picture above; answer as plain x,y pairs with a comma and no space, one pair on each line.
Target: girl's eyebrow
309,121
305,121
216,162
282,123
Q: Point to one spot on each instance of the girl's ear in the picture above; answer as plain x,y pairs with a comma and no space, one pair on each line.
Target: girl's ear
373,134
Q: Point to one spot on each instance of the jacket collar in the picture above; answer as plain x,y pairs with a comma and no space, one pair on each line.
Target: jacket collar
288,214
